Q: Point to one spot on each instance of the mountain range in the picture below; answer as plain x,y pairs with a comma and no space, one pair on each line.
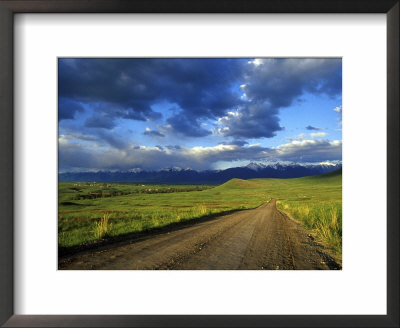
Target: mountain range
177,175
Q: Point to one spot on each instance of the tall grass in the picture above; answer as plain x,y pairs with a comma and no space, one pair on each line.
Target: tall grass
323,218
102,227
73,227
315,201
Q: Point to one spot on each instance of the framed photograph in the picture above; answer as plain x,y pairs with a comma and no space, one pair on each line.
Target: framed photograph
190,164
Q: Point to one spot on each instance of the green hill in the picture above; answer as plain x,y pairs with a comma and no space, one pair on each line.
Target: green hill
315,201
336,173
239,184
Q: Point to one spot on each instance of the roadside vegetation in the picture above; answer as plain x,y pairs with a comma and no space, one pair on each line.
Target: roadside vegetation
320,214
91,212
324,220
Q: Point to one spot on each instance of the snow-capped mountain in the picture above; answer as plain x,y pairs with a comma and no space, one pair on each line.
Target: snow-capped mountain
177,175
256,166
135,170
171,169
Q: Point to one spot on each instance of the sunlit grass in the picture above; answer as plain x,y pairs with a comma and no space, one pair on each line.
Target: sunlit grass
324,218
102,228
314,201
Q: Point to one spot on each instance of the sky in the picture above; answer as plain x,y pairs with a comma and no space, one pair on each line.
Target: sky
197,113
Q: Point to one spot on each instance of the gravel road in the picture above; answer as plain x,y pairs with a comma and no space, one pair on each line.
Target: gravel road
257,239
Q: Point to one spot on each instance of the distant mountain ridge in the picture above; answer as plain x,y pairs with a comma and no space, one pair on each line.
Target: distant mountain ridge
176,175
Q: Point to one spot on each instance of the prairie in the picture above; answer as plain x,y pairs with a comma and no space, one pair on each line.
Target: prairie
91,212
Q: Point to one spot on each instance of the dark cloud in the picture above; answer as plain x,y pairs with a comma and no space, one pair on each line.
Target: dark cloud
74,136
203,94
101,137
272,84
78,157
67,108
280,81
234,142
75,156
112,139
100,120
153,133
200,89
105,115
177,147
97,138
129,87
105,81
254,120
187,126
313,128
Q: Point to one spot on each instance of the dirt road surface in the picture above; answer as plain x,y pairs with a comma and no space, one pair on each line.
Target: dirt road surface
258,239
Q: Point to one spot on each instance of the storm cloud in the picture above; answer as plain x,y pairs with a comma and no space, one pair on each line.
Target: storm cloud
254,120
199,88
153,133
80,157
272,84
67,108
121,113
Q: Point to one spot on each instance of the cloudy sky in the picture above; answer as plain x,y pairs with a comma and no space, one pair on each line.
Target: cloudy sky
121,114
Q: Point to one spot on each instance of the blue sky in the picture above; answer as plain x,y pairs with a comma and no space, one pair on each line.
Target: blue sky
198,113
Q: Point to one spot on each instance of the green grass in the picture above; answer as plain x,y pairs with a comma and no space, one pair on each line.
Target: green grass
322,218
130,208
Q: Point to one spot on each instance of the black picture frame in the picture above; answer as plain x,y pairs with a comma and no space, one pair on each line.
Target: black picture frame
10,7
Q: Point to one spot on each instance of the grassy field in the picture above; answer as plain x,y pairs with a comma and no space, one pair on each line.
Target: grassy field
90,212
319,209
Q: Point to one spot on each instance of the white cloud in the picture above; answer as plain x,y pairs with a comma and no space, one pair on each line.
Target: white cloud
301,136
318,134
63,140
256,62
338,109
309,151
74,156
